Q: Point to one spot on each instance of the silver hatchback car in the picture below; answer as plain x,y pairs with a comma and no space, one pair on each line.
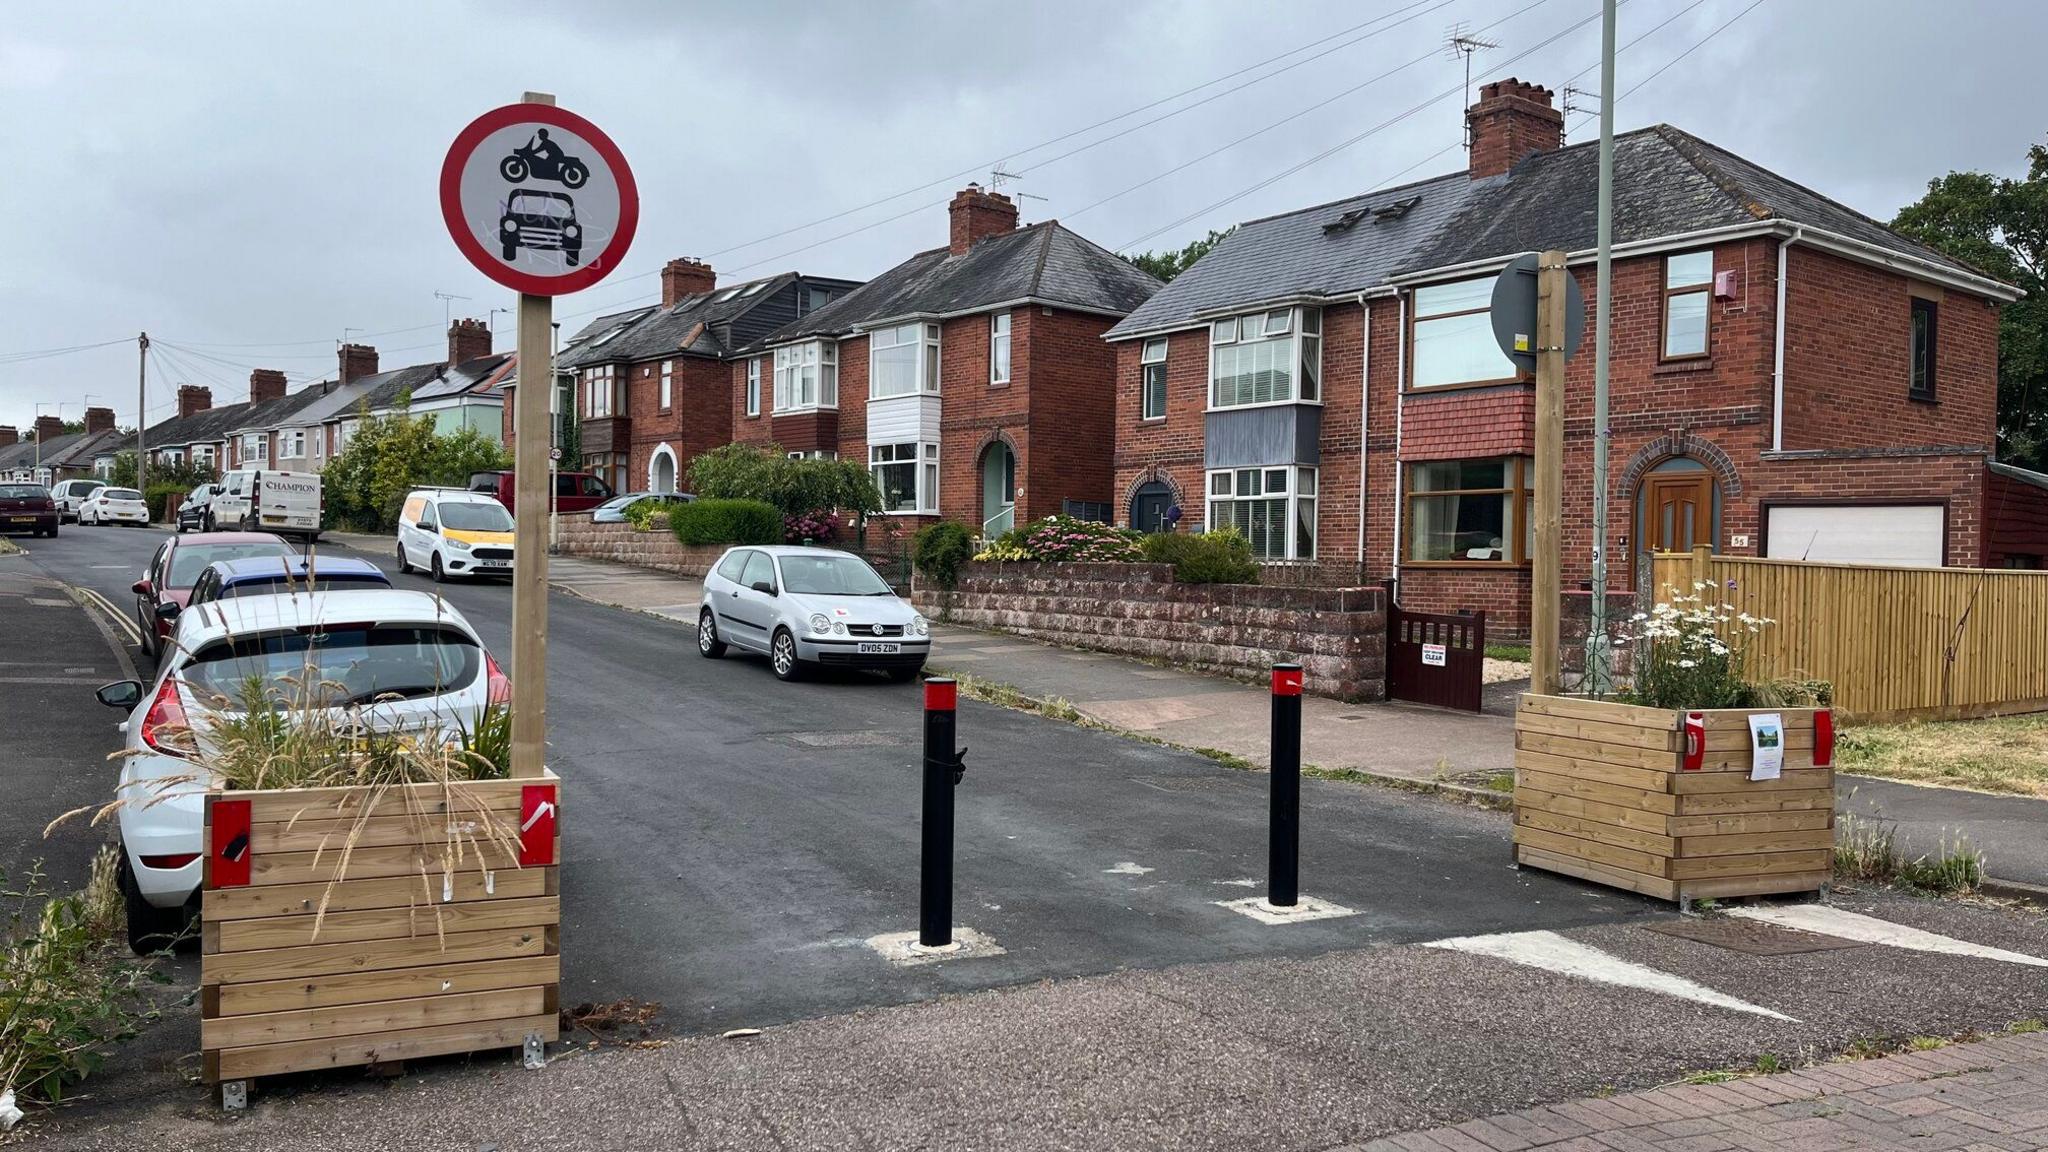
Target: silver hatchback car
806,607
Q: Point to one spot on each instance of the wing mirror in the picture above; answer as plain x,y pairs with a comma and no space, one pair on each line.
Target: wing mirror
123,694
167,611
141,588
764,587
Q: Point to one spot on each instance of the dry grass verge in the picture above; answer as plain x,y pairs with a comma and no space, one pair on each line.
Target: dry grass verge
2007,755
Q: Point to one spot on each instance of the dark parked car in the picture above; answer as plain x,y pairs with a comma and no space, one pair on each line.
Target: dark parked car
574,491
613,511
541,220
27,508
196,513
176,565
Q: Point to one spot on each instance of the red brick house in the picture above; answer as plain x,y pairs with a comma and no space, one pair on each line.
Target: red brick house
1788,377
972,379
653,384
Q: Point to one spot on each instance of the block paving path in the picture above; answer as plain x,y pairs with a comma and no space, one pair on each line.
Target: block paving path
1990,1096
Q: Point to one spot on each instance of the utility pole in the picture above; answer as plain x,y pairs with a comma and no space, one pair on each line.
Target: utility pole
141,412
1544,581
1599,649
530,528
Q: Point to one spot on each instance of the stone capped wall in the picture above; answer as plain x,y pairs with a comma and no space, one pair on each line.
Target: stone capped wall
658,548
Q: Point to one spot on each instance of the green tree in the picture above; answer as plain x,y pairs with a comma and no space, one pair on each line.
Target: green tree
181,473
1999,225
572,440
467,450
796,487
388,456
1167,265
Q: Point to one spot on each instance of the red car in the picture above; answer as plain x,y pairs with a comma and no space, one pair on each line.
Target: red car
574,491
27,508
171,572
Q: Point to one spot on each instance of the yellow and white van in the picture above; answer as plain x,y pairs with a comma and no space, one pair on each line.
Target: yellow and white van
452,532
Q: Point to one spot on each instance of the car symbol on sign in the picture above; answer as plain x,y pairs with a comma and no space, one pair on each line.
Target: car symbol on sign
541,221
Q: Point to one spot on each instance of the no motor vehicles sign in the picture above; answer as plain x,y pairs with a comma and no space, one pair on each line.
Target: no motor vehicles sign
539,199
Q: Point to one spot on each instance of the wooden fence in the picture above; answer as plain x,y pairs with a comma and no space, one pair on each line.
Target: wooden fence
1897,643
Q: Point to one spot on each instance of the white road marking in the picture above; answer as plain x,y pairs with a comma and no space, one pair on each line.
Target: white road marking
1127,868
1247,882
1870,930
1554,953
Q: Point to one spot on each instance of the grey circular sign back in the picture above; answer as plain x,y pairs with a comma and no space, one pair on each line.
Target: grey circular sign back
1514,312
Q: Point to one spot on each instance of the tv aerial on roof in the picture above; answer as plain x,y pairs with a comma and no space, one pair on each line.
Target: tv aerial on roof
1461,41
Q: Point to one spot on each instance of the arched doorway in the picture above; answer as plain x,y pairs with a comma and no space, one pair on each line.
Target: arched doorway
1678,505
661,470
998,489
1148,506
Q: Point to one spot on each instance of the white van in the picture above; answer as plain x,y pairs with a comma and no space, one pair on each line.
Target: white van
454,532
263,500
69,494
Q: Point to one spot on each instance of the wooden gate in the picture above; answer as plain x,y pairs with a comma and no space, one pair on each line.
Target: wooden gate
1436,658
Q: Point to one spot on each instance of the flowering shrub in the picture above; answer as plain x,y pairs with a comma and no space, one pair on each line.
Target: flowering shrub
819,526
641,514
1064,538
1695,653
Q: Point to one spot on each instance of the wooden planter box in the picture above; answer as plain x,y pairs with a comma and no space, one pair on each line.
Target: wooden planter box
1604,792
405,962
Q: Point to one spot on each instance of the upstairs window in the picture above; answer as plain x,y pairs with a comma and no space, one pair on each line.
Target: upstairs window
1688,292
1453,337
668,375
807,376
999,348
598,384
1270,357
1153,386
903,361
1920,385
754,386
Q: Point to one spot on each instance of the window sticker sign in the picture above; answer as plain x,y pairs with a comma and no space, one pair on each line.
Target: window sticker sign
1433,655
1766,745
539,199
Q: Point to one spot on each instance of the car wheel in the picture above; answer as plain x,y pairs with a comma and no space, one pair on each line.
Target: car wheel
510,251
782,656
53,532
404,565
709,645
440,576
904,675
150,929
206,522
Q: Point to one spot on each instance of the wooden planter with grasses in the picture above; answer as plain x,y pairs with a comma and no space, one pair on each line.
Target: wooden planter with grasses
1628,796
371,924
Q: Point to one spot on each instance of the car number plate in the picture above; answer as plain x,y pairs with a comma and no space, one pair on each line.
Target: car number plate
879,649
494,563
21,519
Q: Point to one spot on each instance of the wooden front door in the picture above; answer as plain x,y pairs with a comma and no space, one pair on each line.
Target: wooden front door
1678,511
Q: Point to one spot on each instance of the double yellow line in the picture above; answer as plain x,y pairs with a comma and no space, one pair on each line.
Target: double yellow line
119,617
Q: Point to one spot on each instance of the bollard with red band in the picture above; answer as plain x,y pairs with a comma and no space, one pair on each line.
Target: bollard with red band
537,814
1695,742
943,768
1824,738
1283,837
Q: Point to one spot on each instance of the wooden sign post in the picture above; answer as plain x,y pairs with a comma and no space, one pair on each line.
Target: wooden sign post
1552,287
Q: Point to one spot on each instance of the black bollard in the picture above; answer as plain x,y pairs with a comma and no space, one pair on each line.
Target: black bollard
1283,839
941,774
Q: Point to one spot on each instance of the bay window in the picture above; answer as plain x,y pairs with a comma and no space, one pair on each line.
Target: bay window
907,475
1469,512
1274,508
903,361
1270,357
999,348
806,376
256,448
599,386
294,446
1453,336
1688,292
1153,386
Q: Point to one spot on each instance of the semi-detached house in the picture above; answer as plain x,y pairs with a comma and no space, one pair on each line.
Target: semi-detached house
1788,377
971,379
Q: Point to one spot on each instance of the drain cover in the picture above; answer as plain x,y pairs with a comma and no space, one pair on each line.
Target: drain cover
1753,937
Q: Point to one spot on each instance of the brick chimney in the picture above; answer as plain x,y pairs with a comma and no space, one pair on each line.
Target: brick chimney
977,214
468,340
48,428
99,420
193,398
9,436
1511,121
686,277
357,361
265,384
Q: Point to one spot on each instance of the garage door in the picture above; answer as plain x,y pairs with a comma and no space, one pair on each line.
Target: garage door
1908,535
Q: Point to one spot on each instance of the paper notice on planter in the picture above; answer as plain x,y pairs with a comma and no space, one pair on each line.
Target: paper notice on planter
1766,745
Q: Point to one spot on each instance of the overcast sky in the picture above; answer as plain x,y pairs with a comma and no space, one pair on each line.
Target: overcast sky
246,181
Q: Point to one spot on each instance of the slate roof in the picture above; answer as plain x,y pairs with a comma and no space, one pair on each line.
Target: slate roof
715,324
426,382
1666,182
1045,262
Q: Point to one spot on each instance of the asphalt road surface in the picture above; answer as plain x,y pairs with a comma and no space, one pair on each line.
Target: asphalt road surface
731,842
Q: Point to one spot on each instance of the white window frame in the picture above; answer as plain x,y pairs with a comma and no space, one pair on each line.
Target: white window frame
668,378
1151,359
923,460
924,368
598,391
1289,337
255,447
806,376
1439,321
294,447
1291,486
753,386
999,348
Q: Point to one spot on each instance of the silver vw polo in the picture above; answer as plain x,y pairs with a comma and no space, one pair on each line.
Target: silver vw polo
805,607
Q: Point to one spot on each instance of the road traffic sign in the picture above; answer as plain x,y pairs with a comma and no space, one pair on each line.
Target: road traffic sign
539,199
1514,312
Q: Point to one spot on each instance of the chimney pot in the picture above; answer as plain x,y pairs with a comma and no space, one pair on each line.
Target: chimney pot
99,420
1511,121
468,340
977,214
685,277
266,384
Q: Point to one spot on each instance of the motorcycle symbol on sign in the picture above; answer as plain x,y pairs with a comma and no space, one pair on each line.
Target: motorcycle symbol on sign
542,160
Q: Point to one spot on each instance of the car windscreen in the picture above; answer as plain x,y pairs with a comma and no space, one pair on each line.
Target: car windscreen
532,205
120,494
335,664
830,575
23,492
189,560
279,583
477,517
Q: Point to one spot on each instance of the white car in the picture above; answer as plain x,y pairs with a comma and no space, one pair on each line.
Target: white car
808,607
370,645
113,506
69,494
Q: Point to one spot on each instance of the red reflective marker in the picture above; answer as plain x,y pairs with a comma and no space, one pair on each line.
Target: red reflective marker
536,825
941,695
227,864
1286,681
